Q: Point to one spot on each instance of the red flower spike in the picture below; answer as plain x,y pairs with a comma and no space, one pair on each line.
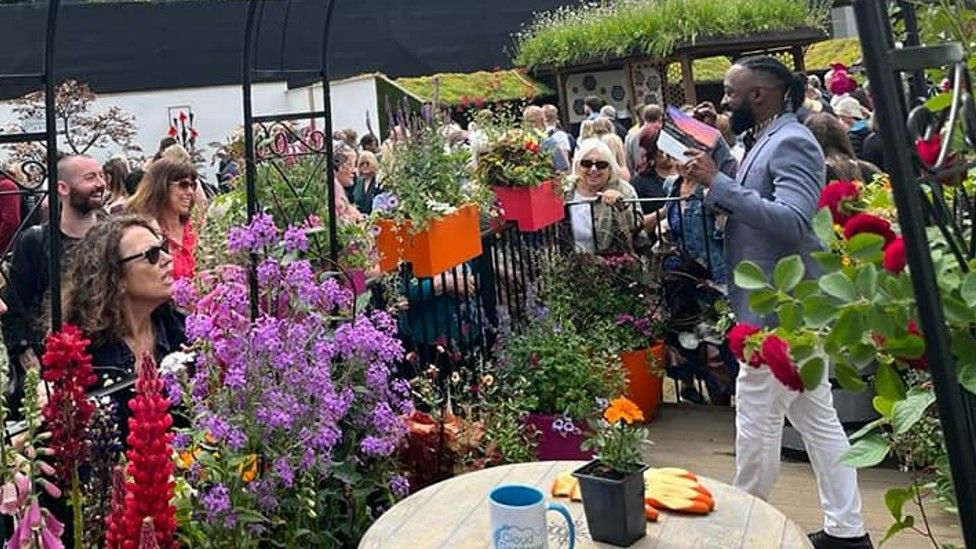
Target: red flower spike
737,343
149,490
836,196
894,256
776,355
67,368
869,223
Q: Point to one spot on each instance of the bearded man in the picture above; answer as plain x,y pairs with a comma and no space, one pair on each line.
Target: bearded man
770,206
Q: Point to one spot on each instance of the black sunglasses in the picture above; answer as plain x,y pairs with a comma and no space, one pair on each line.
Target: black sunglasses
151,255
185,183
600,164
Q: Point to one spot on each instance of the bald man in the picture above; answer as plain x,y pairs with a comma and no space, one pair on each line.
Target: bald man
81,188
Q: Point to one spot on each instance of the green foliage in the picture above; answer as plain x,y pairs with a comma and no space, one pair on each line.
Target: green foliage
472,88
564,372
618,28
514,159
618,437
837,50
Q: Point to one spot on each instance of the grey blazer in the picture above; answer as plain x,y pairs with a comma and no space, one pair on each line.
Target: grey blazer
771,204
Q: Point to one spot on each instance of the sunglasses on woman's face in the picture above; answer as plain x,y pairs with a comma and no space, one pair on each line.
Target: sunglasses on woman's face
600,164
152,254
185,183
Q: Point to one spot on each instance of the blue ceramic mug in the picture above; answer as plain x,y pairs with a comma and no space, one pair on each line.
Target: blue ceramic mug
518,518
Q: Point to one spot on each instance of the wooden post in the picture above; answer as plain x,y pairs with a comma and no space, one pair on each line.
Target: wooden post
688,79
799,65
563,104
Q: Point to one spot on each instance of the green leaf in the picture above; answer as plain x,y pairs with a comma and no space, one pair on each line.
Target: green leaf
823,226
846,331
910,346
866,452
895,499
788,273
750,276
867,429
967,376
789,316
888,384
839,286
867,280
866,246
938,102
968,289
828,260
848,377
896,527
908,412
812,373
883,406
818,311
862,354
957,311
805,289
763,301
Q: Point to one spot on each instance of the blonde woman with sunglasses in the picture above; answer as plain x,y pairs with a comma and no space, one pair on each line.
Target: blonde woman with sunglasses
597,202
167,194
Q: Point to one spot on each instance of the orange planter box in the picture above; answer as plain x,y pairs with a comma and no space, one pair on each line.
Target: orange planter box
643,387
447,242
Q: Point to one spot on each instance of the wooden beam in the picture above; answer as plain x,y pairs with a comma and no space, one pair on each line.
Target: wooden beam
799,64
688,80
563,108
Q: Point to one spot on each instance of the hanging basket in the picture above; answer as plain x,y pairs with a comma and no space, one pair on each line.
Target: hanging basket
644,387
532,208
447,242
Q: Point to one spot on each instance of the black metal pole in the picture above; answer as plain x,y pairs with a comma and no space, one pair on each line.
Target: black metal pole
891,116
250,169
54,206
329,148
916,81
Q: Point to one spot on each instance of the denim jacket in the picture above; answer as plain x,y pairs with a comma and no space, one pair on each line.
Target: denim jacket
687,230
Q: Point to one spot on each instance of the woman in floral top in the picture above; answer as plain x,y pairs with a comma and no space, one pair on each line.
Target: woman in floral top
167,194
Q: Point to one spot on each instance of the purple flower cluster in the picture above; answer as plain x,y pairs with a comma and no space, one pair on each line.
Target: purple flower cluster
261,232
400,486
296,240
216,502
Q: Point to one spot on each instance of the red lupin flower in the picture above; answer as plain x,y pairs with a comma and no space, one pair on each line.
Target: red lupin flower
894,256
776,355
737,343
868,223
149,490
67,368
838,195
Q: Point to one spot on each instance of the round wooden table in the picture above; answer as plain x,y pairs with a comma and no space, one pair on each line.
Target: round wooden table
454,513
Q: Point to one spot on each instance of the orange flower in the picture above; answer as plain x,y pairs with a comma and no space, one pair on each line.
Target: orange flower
622,408
248,469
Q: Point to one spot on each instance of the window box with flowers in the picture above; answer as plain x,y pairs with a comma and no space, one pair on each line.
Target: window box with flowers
429,214
521,173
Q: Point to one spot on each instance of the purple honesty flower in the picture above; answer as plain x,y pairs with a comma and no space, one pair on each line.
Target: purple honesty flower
296,240
269,273
283,470
184,292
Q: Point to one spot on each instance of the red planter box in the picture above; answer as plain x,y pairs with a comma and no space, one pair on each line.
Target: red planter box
532,208
553,445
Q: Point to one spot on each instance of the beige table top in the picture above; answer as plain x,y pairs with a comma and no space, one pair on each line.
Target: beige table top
454,513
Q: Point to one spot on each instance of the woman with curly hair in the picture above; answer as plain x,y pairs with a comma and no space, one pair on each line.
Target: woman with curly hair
167,193
118,293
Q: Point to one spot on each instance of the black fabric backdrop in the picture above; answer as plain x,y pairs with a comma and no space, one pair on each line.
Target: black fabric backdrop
145,45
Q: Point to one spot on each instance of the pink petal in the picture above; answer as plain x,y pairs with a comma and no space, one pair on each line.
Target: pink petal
50,488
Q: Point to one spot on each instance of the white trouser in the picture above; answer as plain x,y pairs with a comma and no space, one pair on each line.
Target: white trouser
761,404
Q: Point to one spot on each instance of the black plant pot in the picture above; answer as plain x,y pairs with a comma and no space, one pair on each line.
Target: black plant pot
613,503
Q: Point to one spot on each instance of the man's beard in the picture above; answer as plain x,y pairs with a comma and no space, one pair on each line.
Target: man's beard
742,119
83,203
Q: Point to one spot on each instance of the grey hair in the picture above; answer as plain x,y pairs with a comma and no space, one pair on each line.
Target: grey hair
593,144
608,111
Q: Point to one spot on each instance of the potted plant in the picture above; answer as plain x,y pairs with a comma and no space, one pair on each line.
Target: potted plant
521,174
429,214
613,484
565,375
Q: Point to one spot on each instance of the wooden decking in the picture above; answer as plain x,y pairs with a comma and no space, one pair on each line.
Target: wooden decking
701,438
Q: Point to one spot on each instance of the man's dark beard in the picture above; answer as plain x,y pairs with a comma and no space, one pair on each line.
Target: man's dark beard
82,202
742,119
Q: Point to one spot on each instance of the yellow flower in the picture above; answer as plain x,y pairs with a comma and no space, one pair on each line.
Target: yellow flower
622,408
846,261
186,458
487,380
248,469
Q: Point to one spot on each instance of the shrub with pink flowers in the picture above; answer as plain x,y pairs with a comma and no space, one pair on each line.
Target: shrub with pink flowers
295,415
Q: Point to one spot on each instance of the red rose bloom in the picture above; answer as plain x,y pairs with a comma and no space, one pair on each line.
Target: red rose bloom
868,223
894,256
776,355
928,149
737,343
835,195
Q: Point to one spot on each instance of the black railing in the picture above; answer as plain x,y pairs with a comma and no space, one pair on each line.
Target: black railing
886,66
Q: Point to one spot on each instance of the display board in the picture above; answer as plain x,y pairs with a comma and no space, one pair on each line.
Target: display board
611,86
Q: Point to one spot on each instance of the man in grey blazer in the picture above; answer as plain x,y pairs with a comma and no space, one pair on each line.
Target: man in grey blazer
770,206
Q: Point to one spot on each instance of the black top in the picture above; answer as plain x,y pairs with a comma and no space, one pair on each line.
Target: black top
649,185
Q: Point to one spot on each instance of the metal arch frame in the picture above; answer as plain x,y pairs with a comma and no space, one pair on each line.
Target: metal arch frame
885,65
50,172
252,29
